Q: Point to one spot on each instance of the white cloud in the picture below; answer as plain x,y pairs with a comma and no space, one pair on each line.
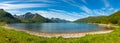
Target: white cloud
60,14
103,8
71,2
86,11
97,12
111,8
8,2
11,4
73,14
107,10
45,1
84,1
106,3
27,1
52,13
20,6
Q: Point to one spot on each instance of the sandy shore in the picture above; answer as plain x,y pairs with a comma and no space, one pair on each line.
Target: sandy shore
64,35
70,35
108,25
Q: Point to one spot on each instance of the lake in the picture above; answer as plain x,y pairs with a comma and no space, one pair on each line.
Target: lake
57,27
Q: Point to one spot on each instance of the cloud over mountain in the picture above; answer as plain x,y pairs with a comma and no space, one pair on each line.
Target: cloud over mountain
65,9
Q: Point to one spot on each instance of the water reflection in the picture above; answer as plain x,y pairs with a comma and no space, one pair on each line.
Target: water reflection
58,27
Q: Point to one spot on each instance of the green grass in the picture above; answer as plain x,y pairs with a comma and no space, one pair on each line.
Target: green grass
12,36
2,23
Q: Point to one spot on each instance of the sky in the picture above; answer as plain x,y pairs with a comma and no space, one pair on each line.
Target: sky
64,9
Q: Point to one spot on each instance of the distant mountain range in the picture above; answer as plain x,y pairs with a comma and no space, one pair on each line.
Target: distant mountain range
27,18
37,18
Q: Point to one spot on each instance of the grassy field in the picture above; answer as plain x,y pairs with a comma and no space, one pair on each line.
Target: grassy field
12,36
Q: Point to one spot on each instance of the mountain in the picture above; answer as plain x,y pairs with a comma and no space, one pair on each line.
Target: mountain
7,17
26,18
113,18
29,17
92,19
35,18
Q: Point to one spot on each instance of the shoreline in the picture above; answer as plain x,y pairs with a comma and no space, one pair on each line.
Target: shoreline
64,35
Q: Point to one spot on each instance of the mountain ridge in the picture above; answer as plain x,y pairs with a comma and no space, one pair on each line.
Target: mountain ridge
111,19
27,18
7,17
30,17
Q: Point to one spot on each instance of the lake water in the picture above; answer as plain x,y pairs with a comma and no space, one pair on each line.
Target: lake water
57,27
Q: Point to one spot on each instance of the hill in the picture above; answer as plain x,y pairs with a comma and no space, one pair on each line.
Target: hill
113,19
7,17
92,19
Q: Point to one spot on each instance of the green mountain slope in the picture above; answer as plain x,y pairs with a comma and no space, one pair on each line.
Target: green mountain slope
7,17
113,18
92,19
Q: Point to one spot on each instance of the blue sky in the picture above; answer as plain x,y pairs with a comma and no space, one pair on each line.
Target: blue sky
64,9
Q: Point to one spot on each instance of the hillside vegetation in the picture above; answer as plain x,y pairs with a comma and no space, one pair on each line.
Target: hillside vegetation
112,19
93,19
7,17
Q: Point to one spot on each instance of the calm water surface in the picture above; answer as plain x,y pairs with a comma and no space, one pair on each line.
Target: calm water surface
57,27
